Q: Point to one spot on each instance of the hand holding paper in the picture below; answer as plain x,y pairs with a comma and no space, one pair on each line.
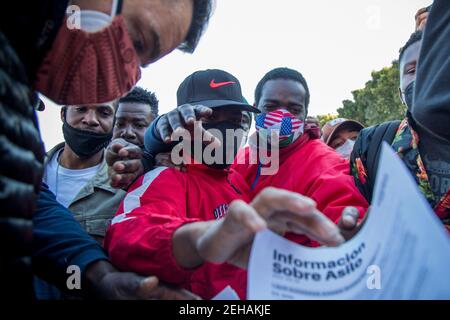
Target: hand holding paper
230,239
401,252
349,224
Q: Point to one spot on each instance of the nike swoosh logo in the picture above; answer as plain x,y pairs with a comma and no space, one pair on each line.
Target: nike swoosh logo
214,85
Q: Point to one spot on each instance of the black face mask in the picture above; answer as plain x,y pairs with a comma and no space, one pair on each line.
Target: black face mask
85,143
231,146
409,95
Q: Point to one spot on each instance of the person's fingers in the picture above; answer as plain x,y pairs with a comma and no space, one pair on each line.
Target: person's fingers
126,179
193,113
122,183
185,119
133,166
241,215
148,288
187,112
162,156
131,151
129,285
116,147
202,111
123,153
300,212
167,163
162,163
113,149
421,23
170,164
314,225
226,237
117,144
242,225
348,231
119,166
115,181
164,160
175,121
163,129
349,218
242,257
318,227
271,200
420,11
111,157
421,18
168,292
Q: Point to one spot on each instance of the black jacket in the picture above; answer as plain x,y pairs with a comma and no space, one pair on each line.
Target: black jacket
431,107
27,30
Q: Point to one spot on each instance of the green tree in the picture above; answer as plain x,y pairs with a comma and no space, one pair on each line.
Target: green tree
325,118
378,101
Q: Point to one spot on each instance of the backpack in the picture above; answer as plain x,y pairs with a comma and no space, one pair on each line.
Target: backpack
368,148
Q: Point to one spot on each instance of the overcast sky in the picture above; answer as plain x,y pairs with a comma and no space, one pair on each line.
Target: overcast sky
334,44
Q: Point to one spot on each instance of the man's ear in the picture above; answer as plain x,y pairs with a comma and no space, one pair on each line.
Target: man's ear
63,113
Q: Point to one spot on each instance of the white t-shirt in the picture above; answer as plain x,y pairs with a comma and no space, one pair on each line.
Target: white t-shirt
66,183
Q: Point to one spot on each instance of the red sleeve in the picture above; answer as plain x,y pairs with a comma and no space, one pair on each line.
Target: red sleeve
332,187
140,236
334,190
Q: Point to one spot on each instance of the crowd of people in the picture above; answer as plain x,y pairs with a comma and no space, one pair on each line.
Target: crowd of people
150,206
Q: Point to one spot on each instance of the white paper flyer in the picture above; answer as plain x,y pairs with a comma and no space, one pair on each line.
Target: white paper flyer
402,252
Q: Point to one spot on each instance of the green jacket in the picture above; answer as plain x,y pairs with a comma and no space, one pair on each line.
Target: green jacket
96,203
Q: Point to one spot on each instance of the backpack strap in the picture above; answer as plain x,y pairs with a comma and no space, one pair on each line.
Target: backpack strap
383,132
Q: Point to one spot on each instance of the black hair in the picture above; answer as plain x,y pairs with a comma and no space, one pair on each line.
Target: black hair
200,18
415,37
285,74
140,95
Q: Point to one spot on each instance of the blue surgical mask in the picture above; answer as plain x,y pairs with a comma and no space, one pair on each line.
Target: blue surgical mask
346,149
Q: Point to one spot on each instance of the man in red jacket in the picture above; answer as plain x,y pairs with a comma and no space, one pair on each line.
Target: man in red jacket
306,165
195,228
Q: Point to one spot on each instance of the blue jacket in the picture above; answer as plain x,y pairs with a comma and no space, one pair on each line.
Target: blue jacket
59,241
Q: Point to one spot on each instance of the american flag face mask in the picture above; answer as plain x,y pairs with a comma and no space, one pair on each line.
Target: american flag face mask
288,127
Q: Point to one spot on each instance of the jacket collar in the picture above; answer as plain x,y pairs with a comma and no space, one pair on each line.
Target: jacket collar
100,180
200,167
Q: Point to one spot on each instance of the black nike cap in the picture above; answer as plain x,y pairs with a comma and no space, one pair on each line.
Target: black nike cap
213,88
